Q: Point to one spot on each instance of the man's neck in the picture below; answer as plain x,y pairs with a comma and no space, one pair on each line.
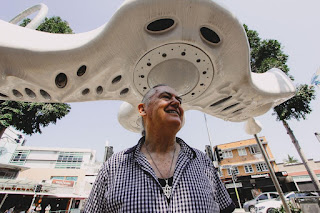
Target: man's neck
160,143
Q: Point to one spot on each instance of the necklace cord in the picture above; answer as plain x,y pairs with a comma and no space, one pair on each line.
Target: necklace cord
174,152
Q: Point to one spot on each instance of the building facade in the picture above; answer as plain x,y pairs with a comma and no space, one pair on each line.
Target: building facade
245,160
63,177
299,174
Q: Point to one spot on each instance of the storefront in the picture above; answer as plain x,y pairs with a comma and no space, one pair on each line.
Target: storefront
250,186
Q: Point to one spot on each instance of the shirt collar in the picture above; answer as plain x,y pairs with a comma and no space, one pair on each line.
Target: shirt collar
185,148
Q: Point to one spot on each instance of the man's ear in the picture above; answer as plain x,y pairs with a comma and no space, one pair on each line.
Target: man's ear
141,109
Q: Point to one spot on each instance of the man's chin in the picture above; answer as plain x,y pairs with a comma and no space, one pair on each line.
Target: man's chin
175,122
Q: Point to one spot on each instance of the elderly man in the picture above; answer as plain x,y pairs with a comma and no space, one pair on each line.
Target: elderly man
161,173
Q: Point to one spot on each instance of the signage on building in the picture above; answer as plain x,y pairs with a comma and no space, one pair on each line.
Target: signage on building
68,183
231,185
260,176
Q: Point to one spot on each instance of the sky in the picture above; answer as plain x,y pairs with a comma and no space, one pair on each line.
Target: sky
295,24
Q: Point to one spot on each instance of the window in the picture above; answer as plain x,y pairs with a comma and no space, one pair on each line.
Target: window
8,173
273,196
242,151
248,169
262,197
254,149
227,154
69,160
19,157
234,168
261,167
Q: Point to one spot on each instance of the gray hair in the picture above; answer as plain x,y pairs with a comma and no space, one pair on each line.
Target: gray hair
146,100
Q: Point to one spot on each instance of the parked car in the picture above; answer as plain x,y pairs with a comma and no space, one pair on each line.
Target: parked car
271,205
249,206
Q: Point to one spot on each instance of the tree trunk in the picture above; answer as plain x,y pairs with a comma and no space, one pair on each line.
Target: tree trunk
295,142
2,129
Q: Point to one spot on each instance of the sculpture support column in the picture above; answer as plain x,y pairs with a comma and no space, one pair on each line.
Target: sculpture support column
253,128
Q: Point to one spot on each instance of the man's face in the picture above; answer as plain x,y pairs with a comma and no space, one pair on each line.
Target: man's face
164,109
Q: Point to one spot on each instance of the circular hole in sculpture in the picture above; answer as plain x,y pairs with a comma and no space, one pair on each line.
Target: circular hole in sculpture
204,72
116,79
209,35
198,60
61,80
183,53
82,70
17,93
141,76
124,91
85,91
30,93
45,94
164,55
149,64
99,90
3,95
192,93
160,25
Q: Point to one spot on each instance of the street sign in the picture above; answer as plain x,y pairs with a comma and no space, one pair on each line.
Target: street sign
231,185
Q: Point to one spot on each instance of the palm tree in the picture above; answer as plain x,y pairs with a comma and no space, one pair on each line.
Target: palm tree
290,160
265,55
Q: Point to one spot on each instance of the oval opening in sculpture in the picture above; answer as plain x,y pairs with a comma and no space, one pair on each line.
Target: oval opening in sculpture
45,94
61,80
82,70
209,35
85,91
231,106
3,95
160,25
17,93
124,91
221,101
116,79
30,93
99,90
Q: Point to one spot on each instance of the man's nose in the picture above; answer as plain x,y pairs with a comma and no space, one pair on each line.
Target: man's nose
175,101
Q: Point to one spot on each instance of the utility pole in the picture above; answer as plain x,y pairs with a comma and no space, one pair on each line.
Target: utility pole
205,118
234,179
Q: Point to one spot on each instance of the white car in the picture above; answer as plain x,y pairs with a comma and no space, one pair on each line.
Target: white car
249,206
272,205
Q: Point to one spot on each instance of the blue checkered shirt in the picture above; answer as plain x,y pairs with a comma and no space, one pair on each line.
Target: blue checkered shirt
127,183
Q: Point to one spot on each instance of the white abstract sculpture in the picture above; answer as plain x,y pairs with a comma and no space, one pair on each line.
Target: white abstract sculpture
195,46
37,20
